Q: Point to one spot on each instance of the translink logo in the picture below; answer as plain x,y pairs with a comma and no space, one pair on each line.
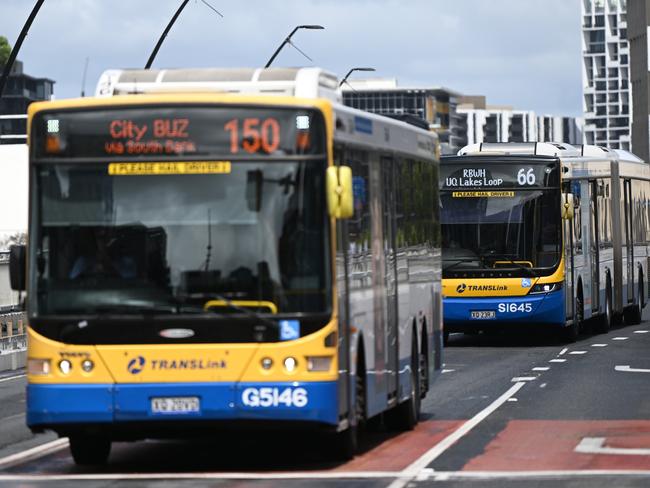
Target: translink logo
136,365
461,288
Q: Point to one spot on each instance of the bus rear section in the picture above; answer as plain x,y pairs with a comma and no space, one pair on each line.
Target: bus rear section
502,242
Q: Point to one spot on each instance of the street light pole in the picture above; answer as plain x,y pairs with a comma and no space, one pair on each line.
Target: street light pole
19,43
288,41
345,78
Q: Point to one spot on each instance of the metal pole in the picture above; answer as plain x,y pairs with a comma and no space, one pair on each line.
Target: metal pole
19,43
164,34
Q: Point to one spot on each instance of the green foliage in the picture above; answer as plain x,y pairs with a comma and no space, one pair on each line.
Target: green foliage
5,50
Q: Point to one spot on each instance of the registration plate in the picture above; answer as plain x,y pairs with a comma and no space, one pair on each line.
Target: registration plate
482,314
175,405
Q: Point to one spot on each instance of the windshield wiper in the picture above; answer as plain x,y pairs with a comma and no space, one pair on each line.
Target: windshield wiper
458,261
503,257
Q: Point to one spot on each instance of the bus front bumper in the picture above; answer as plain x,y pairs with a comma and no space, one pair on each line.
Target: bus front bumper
539,309
52,405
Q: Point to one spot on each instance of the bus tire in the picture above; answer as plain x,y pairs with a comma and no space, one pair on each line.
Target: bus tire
632,314
346,442
89,450
405,416
604,323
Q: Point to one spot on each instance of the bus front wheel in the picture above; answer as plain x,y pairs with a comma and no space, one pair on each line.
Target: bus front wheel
89,450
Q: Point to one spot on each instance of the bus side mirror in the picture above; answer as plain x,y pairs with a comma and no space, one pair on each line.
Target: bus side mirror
567,206
340,201
17,267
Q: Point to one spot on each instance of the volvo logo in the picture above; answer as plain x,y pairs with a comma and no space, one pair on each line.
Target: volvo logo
461,288
176,333
136,365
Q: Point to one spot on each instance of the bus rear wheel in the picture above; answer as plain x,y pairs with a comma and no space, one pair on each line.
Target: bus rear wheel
89,450
632,314
604,323
405,415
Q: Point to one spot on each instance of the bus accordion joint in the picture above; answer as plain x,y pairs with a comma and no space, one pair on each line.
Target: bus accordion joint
340,201
272,307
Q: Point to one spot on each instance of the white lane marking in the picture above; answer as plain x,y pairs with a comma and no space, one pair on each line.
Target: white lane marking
563,352
557,361
426,474
510,400
641,331
33,453
2,380
448,370
620,338
543,385
517,379
413,469
578,352
539,368
627,369
596,445
599,345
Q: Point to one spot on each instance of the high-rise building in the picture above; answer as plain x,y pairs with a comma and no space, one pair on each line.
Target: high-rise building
605,73
638,27
436,106
21,90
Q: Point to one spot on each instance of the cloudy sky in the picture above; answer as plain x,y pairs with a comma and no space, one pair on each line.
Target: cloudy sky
524,53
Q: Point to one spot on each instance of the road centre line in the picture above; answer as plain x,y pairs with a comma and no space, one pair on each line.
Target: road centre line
34,453
641,331
627,369
620,338
517,379
557,361
599,345
578,352
9,378
541,368
412,470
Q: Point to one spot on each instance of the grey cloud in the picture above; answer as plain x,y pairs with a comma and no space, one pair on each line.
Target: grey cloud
524,53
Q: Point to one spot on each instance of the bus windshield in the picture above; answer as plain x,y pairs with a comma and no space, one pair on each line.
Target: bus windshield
503,227
179,210
168,244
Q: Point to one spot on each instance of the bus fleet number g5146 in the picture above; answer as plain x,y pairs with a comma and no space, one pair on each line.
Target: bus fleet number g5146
274,397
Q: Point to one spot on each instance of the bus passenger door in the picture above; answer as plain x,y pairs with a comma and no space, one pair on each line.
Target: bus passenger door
392,366
594,244
626,217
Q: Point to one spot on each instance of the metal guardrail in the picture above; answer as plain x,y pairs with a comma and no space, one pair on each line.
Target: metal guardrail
13,333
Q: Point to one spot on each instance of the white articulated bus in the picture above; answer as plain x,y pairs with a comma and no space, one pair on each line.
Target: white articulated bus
543,234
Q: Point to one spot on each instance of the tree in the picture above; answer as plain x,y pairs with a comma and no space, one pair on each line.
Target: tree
5,50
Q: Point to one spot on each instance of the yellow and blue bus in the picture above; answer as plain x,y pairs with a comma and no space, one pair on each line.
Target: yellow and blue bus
543,234
212,248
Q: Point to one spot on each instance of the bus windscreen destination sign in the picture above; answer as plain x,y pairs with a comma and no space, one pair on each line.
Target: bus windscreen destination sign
465,179
173,131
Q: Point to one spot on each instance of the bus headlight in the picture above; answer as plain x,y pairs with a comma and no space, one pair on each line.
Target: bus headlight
290,364
65,366
319,363
545,288
38,366
266,363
